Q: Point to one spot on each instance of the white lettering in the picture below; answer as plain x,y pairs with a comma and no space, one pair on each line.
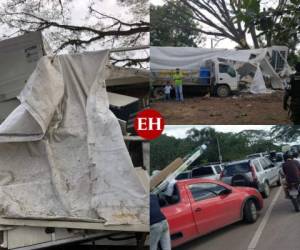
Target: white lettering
142,123
157,123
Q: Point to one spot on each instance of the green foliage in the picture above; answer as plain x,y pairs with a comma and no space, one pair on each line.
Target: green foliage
248,11
233,146
286,133
294,58
244,20
286,31
277,25
173,25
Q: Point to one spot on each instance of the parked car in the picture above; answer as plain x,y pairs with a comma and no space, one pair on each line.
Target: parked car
256,155
212,171
259,173
184,175
295,148
200,206
276,157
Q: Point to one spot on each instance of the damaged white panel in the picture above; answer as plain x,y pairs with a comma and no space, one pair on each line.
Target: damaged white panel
169,58
163,58
268,70
258,85
62,153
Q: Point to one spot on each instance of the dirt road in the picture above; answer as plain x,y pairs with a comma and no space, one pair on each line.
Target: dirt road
263,109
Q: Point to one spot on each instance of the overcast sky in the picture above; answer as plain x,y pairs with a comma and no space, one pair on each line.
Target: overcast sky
79,10
179,131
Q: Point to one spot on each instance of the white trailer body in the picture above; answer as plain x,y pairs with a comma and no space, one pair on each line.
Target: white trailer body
36,233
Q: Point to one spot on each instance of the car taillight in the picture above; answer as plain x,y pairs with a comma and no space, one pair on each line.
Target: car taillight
253,172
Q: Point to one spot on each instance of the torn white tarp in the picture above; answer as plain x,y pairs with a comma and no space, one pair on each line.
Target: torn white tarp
258,85
62,153
191,59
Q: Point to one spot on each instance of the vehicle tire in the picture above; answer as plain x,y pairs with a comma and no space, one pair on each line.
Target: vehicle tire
240,180
295,204
266,193
250,212
158,93
223,91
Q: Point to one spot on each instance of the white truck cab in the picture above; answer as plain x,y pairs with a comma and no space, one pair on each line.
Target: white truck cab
224,78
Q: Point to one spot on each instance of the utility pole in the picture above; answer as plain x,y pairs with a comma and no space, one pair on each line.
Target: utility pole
219,151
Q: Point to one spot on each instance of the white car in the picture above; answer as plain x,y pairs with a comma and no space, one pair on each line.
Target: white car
258,172
212,171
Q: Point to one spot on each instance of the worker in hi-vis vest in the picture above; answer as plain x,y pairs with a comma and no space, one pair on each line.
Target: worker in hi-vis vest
178,79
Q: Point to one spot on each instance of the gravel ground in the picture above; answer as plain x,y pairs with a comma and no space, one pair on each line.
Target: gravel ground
263,109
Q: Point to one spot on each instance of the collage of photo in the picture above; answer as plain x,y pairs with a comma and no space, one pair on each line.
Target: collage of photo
149,124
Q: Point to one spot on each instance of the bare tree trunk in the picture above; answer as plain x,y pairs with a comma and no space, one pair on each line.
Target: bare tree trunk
254,37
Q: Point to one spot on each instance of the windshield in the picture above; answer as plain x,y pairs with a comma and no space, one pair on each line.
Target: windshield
182,176
201,171
227,69
236,168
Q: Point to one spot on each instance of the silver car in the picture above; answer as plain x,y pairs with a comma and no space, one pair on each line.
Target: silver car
258,172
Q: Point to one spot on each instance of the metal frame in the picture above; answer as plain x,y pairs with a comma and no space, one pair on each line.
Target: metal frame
74,225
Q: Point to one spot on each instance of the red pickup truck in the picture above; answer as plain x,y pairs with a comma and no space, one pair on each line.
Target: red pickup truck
200,206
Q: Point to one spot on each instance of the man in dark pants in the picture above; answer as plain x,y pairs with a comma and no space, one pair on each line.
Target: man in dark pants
159,228
293,92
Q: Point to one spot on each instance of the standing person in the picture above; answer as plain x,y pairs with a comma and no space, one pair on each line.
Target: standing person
167,90
291,169
296,155
292,92
178,80
159,228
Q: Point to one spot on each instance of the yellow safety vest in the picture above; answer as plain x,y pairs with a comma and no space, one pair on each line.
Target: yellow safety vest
177,77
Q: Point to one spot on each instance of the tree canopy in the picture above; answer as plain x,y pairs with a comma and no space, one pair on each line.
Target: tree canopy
233,146
248,23
65,31
170,28
288,133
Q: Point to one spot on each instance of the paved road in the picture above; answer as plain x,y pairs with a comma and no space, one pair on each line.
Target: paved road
86,247
279,231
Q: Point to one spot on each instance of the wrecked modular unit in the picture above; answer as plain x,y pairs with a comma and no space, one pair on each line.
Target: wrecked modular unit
19,57
253,65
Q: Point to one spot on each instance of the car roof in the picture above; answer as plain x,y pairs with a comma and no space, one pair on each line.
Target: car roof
198,180
240,161
184,172
209,165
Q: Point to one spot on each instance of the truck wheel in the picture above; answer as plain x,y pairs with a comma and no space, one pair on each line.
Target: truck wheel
158,93
265,194
250,212
223,91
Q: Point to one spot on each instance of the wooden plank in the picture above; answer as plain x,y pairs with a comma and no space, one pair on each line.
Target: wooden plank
156,180
144,177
